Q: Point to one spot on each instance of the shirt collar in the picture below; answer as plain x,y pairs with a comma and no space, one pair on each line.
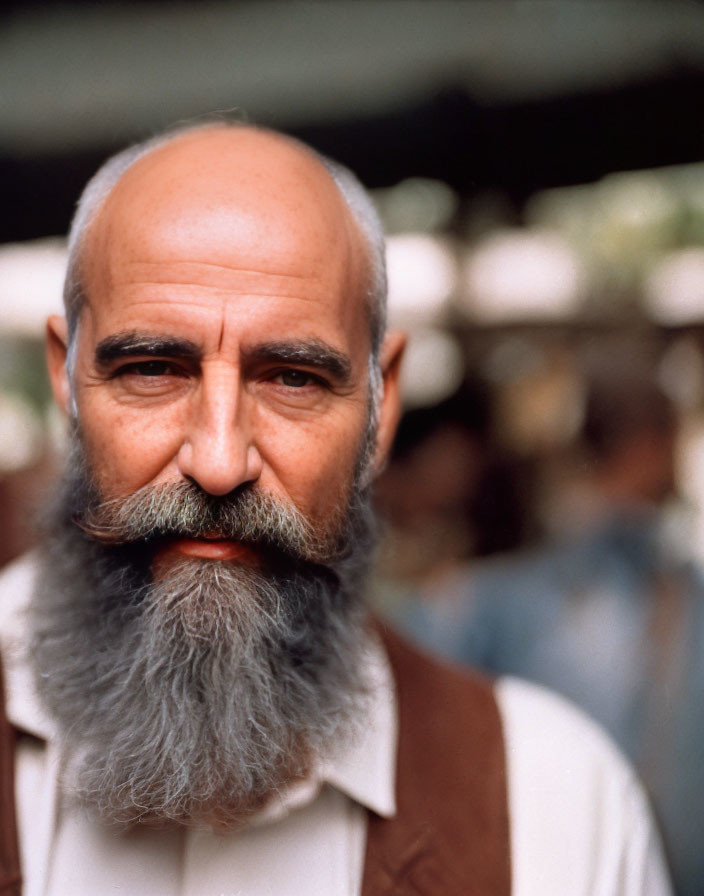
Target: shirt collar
364,768
22,704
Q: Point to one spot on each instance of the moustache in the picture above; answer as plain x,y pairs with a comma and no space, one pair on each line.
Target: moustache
184,510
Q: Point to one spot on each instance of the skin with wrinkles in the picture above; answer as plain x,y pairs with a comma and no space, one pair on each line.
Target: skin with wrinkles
184,250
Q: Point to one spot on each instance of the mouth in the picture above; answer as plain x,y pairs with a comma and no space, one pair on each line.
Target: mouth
224,549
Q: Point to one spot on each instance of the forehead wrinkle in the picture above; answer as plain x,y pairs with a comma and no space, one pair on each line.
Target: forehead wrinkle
220,293
220,267
217,301
218,280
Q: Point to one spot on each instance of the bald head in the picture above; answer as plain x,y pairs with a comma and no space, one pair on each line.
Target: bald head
249,184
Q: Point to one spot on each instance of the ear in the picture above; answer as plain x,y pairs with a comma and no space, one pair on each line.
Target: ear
390,406
56,351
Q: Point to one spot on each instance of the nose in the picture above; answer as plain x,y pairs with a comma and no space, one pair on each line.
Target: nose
218,451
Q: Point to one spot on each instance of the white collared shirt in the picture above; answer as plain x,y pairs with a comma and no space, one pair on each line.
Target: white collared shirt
579,821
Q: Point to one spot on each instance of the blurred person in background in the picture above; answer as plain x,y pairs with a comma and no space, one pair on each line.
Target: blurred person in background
447,496
609,610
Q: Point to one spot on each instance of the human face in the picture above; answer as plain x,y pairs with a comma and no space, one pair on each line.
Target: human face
225,339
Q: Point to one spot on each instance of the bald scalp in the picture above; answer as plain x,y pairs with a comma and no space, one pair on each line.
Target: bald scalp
242,199
261,174
243,166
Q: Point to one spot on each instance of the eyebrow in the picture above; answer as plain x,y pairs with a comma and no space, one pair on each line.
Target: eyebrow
308,352
127,345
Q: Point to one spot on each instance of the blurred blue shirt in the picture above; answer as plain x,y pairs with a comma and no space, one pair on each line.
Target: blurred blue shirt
612,617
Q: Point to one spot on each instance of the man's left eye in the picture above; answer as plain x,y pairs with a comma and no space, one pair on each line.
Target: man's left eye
296,379
148,368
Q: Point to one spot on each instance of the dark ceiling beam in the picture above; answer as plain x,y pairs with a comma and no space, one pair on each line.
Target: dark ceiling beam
515,148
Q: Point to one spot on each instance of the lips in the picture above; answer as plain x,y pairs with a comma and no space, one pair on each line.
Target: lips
212,549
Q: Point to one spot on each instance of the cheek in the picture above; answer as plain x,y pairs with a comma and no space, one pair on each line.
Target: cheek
317,471
123,452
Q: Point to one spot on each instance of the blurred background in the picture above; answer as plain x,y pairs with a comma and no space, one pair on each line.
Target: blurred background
538,166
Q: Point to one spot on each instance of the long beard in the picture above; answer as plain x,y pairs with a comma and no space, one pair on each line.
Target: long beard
193,695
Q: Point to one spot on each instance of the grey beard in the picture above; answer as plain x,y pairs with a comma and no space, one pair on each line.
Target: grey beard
194,696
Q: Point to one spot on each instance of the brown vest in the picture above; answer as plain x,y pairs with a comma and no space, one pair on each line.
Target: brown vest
450,836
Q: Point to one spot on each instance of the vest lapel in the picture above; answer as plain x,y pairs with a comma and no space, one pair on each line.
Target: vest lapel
10,883
451,832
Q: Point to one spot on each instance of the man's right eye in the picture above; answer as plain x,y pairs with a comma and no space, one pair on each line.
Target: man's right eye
148,369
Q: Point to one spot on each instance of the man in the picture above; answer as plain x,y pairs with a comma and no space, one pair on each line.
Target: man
209,710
